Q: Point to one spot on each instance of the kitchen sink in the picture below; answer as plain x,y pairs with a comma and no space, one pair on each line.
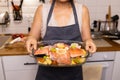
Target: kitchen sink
4,40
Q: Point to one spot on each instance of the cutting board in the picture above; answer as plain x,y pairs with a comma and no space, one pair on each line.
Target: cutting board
17,48
3,40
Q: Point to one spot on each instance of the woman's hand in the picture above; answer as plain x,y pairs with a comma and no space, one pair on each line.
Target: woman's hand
31,43
90,46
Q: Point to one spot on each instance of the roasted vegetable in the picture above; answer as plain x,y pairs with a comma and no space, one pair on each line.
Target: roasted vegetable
79,60
61,53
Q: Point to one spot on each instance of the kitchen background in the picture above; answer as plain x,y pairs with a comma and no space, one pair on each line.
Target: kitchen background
23,66
98,10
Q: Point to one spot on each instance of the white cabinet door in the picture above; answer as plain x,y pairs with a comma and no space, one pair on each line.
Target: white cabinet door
1,70
116,70
18,63
21,75
20,67
100,56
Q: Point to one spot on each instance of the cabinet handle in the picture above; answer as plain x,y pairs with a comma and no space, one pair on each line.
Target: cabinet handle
30,63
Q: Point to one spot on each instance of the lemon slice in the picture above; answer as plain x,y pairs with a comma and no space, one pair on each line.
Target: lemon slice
60,51
60,45
75,45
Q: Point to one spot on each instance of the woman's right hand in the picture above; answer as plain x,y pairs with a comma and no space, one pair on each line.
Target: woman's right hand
31,43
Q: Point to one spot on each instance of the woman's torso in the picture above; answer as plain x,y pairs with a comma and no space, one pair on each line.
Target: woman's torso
52,22
52,32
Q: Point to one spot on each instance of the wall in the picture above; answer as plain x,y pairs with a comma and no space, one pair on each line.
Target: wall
97,9
28,10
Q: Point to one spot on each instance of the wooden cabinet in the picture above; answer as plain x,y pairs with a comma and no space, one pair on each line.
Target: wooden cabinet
1,70
19,67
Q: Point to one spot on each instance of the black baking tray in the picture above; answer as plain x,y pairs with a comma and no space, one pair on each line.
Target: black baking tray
52,42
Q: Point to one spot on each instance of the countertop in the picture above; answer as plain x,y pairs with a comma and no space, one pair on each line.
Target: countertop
18,48
114,46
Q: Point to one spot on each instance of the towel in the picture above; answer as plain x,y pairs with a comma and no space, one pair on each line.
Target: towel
92,72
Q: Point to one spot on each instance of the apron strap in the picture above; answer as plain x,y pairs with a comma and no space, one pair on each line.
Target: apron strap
75,13
51,10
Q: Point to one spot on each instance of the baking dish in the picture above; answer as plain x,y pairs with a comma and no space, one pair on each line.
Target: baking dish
46,60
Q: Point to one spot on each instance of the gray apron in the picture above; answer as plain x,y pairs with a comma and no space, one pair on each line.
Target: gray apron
70,32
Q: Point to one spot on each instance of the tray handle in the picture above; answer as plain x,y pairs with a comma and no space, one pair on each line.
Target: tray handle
32,54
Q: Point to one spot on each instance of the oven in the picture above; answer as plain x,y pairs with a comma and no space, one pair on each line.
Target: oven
106,60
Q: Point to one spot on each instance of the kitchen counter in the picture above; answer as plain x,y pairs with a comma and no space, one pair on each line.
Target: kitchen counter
114,46
18,48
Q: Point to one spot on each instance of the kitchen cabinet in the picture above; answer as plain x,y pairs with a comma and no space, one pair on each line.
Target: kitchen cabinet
20,67
105,61
1,70
116,71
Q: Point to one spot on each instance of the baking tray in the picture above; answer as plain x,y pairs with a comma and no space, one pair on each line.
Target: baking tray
52,42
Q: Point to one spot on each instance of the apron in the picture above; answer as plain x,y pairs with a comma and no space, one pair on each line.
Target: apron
70,32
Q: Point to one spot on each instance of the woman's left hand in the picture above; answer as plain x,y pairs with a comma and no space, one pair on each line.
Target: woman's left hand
90,46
